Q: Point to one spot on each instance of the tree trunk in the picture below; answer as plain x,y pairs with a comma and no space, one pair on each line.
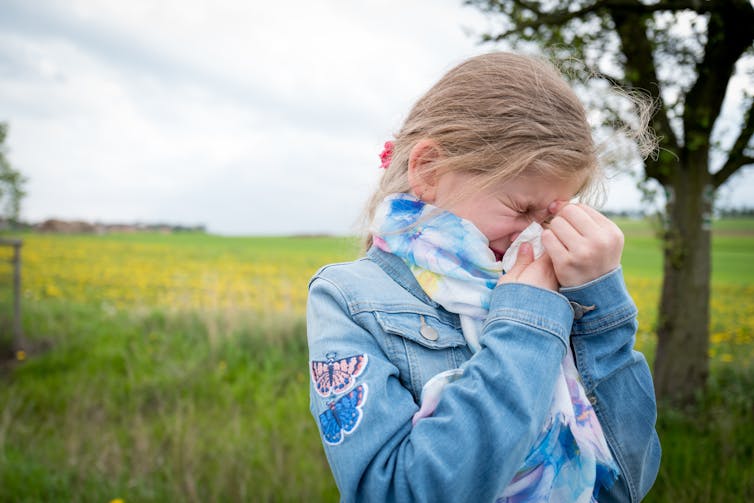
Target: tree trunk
681,360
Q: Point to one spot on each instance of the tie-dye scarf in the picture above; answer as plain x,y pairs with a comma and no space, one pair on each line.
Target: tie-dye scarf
452,262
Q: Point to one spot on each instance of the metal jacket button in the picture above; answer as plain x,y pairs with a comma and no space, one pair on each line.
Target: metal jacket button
428,332
579,310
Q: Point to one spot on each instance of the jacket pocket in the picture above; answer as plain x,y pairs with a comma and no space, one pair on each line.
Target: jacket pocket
421,346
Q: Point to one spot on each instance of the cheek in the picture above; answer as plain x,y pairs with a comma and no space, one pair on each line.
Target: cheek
476,214
499,228
488,217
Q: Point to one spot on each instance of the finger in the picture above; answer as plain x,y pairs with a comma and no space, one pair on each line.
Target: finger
565,232
557,205
606,232
543,270
554,248
579,219
524,257
544,262
598,217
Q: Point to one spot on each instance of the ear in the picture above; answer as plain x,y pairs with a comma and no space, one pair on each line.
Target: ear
421,177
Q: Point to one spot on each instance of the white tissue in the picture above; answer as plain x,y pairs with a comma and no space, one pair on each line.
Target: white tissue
533,235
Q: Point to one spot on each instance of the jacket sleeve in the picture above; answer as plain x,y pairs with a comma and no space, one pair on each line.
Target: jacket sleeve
617,381
481,430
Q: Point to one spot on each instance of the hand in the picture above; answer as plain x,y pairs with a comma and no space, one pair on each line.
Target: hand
582,242
532,272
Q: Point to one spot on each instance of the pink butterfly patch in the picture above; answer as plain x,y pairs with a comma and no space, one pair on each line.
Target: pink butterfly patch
334,377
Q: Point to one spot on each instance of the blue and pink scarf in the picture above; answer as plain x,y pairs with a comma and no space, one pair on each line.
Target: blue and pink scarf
452,262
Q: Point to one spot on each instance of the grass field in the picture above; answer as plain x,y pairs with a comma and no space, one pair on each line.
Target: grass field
173,368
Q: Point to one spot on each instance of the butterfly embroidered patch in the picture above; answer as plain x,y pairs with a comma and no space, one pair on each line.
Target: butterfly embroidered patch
333,377
342,416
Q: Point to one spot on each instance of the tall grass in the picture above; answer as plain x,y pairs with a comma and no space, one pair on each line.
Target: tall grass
155,406
708,449
159,407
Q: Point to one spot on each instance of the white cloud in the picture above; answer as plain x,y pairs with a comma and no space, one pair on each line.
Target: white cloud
249,117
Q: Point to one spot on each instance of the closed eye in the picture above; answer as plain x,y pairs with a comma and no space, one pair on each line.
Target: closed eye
521,210
530,212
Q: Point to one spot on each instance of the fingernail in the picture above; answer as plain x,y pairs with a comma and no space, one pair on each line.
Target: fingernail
524,248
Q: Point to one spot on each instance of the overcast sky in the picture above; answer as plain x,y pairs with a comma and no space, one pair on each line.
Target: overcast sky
248,117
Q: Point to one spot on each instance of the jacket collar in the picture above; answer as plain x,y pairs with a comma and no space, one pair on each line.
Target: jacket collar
397,269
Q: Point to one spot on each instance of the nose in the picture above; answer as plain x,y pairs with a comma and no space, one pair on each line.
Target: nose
538,216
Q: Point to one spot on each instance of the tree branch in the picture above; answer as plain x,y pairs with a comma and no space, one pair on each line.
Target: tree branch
730,168
560,17
729,35
737,157
637,7
535,8
641,73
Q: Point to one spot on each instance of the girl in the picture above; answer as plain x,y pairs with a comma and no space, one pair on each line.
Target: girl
436,378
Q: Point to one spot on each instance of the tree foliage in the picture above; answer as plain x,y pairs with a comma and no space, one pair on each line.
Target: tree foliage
11,182
682,54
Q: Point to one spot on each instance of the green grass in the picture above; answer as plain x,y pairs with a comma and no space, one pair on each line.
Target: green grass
155,405
708,450
732,250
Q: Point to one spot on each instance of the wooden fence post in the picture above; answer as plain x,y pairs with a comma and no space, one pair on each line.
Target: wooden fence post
17,295
16,261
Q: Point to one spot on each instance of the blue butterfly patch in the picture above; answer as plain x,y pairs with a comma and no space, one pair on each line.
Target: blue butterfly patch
333,377
344,415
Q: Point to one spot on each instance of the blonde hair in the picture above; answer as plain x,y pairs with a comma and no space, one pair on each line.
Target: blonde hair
497,116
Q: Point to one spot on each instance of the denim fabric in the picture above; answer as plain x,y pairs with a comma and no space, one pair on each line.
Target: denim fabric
617,380
487,420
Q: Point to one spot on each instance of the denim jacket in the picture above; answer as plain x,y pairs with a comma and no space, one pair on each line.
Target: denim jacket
375,338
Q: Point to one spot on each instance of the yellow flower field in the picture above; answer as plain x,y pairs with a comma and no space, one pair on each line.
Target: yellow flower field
270,276
731,324
178,274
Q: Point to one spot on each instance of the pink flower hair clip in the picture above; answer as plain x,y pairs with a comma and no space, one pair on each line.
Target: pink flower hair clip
387,155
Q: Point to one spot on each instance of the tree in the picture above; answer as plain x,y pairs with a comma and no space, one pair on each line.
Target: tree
11,182
683,53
